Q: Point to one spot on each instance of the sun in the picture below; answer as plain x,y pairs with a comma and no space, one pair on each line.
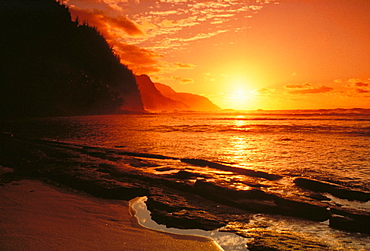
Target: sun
237,99
239,95
234,99
237,92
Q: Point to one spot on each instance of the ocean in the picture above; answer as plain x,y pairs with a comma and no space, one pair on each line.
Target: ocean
329,147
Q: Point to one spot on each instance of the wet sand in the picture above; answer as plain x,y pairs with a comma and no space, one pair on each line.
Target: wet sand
36,216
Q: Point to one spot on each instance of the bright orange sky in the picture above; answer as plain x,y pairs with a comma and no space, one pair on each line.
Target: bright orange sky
244,54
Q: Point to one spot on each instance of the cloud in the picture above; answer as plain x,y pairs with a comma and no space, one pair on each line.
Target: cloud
139,59
361,84
122,22
106,5
165,21
354,80
303,86
187,80
311,90
105,23
182,65
359,87
183,80
357,82
115,5
202,36
264,91
360,90
354,88
153,27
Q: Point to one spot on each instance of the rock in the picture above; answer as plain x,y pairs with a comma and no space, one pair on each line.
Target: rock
5,170
342,222
302,209
185,219
247,172
108,189
105,168
325,187
319,197
348,224
350,220
174,210
164,169
186,175
258,201
136,162
220,192
144,155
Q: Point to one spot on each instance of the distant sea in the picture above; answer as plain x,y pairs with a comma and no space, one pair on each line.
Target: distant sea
331,147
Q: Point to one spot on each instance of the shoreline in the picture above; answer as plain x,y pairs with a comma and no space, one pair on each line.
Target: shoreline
38,216
185,197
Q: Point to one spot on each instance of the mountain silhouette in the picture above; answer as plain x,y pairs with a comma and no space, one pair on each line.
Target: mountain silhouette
194,102
158,97
53,66
153,99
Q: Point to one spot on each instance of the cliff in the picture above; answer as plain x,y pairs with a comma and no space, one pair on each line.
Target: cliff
53,66
153,99
194,102
158,97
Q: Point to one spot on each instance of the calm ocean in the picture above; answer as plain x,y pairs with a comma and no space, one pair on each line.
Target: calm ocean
326,147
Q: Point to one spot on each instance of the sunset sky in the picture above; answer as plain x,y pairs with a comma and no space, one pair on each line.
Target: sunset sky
244,54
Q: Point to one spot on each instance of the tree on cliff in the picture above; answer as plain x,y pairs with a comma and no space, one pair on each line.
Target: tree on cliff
53,66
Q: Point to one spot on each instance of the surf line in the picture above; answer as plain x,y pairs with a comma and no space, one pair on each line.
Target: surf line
224,240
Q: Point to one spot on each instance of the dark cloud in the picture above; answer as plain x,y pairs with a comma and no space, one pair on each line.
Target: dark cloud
302,86
139,59
105,23
361,84
122,22
187,80
360,90
321,89
183,65
183,80
265,91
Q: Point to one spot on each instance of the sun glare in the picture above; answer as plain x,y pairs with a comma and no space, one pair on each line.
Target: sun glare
239,95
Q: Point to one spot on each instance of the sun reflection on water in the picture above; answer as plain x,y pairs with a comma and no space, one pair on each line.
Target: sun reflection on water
241,124
239,151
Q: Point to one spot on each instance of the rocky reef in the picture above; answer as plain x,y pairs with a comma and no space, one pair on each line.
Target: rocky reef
192,195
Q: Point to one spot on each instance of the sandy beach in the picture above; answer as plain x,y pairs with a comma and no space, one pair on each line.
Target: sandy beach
36,216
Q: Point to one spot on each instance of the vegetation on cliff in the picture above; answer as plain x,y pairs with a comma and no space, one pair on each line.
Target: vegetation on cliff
51,65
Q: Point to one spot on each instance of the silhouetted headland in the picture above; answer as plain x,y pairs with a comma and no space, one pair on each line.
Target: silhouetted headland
53,66
158,97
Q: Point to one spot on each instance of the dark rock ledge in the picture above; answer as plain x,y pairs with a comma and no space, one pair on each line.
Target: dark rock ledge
251,173
336,190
